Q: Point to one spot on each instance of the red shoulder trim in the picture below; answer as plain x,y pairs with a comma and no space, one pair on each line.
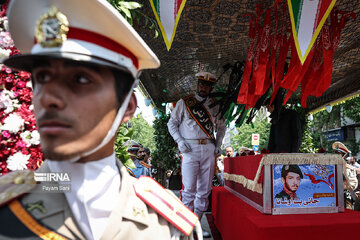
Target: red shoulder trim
144,164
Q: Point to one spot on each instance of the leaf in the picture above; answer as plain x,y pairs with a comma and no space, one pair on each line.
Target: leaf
156,34
125,11
129,163
152,26
130,20
131,5
138,19
146,22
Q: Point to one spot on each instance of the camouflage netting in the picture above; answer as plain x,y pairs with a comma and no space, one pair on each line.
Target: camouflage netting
212,33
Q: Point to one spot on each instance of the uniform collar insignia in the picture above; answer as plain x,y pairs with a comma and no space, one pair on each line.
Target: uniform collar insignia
36,205
136,211
52,28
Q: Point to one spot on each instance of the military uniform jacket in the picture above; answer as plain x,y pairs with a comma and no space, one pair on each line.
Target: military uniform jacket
282,195
130,219
182,125
142,169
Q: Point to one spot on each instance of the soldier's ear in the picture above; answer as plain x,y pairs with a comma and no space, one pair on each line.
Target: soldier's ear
283,180
130,109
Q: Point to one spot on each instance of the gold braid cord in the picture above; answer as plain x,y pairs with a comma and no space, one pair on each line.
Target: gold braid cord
249,184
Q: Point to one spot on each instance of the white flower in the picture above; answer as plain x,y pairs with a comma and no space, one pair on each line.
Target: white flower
17,161
26,137
5,22
35,137
5,99
4,53
30,138
9,109
13,123
8,101
5,39
29,84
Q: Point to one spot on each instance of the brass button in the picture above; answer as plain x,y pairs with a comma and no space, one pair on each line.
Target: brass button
19,180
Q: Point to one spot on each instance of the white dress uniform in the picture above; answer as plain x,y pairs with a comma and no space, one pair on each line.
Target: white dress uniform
198,165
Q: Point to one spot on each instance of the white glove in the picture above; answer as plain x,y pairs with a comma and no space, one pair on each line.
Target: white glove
184,147
217,151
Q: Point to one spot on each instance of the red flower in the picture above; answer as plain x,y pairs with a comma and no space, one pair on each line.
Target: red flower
25,113
25,94
6,134
24,75
12,143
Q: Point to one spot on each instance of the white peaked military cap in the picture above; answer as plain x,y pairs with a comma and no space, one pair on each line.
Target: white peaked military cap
339,146
82,30
206,76
132,145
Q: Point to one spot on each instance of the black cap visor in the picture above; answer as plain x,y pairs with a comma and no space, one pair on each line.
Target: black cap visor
28,62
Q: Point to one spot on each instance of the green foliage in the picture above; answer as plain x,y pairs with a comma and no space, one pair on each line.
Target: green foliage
130,11
351,109
307,145
143,133
324,121
243,138
122,136
352,145
164,157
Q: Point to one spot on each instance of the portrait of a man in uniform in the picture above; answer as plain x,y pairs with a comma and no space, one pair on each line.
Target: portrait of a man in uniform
291,176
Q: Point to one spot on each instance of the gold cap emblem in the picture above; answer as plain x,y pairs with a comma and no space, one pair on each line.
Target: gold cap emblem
52,28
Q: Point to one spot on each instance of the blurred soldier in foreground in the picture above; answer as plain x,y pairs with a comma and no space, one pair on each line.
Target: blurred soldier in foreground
83,70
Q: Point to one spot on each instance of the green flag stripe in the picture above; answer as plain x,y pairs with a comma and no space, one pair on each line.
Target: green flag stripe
157,6
297,7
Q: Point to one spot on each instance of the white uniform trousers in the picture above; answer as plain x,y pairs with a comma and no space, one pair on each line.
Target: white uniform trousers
197,170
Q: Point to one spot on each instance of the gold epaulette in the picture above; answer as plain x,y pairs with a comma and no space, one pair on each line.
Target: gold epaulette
165,204
15,184
144,164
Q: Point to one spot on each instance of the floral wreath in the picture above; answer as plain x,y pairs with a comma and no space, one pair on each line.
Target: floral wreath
19,138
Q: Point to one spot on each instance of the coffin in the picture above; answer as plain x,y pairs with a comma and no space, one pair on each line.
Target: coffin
258,181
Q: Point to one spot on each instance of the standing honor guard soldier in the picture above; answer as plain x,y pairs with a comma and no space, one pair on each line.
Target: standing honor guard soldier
84,59
192,125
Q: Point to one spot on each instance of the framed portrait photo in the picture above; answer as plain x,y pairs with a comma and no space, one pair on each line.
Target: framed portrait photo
304,188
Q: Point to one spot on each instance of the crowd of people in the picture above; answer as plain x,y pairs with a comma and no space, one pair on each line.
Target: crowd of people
141,158
351,176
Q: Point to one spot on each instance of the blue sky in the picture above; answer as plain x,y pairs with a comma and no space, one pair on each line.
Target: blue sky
142,108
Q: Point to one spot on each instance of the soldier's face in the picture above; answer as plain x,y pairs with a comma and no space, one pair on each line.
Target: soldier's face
74,106
204,89
229,152
141,154
292,181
